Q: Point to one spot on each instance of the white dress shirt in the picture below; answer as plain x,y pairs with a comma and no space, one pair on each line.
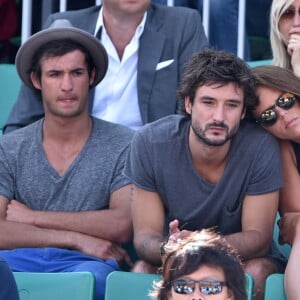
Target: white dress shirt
116,98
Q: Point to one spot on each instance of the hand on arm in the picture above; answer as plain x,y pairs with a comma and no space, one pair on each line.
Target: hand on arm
101,248
258,216
112,224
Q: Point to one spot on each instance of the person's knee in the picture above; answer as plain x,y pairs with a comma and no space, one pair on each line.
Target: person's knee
260,268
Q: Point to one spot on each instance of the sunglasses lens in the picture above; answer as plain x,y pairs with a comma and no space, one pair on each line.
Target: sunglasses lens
286,101
211,290
268,117
183,287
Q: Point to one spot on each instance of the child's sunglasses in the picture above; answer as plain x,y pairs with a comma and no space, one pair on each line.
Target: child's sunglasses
206,287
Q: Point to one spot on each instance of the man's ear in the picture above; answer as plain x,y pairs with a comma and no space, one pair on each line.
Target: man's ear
35,81
188,105
243,113
92,77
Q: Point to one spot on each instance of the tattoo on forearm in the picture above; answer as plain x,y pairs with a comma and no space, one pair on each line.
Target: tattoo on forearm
131,192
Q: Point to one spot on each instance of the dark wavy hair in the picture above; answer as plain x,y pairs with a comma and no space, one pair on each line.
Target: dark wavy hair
201,248
215,67
58,48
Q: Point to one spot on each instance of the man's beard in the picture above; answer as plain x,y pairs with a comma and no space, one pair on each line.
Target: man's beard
209,141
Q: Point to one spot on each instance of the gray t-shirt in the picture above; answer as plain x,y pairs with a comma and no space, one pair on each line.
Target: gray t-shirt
27,176
160,161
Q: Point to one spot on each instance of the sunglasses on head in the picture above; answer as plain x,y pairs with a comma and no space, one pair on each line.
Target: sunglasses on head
206,287
269,116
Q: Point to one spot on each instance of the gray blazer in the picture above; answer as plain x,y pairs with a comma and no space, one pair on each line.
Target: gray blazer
170,33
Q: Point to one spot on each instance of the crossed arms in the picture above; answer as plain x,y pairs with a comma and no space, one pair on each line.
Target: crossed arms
96,233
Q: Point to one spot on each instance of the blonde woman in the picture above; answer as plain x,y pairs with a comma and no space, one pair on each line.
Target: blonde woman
285,34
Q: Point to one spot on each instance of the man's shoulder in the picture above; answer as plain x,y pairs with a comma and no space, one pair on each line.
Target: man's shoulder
82,18
254,138
250,130
22,134
172,14
75,13
110,130
171,11
164,129
19,141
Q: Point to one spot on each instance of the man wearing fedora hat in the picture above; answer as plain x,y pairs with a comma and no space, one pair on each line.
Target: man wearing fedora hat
64,202
147,46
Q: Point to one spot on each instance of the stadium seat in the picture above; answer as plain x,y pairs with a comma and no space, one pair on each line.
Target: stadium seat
256,63
9,86
250,286
136,286
275,287
58,286
129,285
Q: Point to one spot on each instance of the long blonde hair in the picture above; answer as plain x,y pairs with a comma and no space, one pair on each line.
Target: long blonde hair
281,57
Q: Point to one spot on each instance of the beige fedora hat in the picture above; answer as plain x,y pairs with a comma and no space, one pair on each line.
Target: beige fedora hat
61,29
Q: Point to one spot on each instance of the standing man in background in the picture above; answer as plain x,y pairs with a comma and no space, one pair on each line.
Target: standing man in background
147,46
